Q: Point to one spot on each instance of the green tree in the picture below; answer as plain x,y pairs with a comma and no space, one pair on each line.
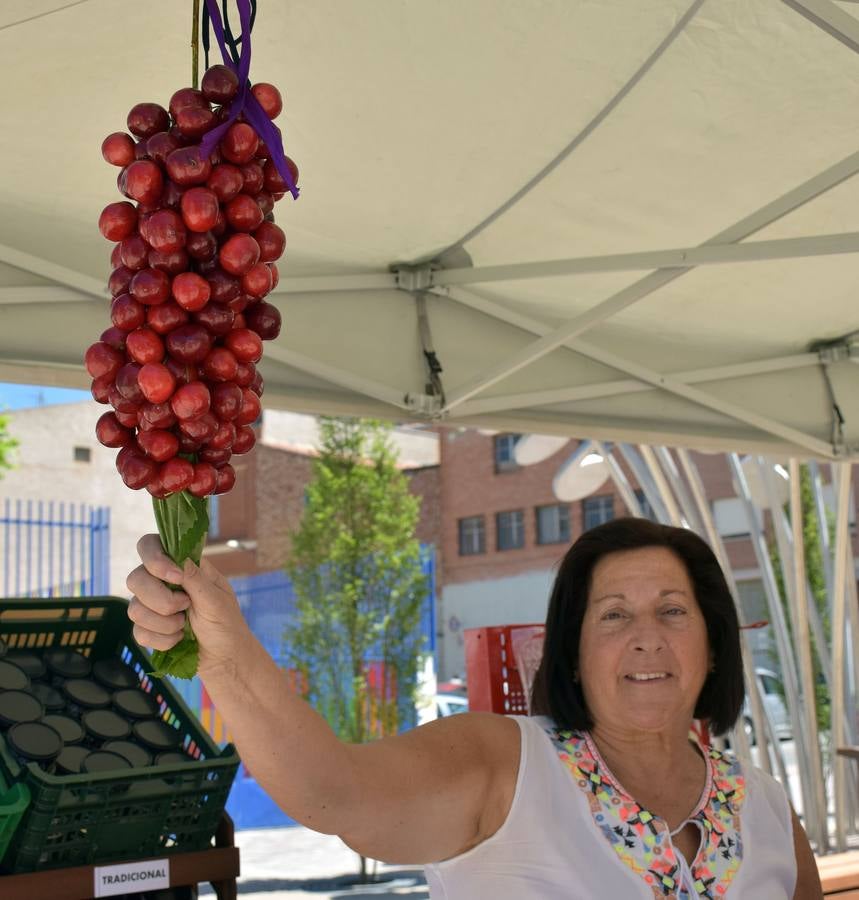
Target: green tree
356,568
7,445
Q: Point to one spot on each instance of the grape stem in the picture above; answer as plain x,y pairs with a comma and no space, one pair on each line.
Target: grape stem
195,45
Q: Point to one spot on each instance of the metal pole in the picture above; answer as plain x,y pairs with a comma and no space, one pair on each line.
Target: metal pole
839,616
690,513
662,486
759,723
642,476
782,641
621,482
802,633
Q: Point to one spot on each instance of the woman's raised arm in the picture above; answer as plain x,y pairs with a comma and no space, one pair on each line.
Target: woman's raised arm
419,797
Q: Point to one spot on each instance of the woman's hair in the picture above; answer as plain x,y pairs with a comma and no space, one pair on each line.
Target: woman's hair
557,694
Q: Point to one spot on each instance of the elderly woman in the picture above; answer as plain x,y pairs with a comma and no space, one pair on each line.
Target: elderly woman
604,794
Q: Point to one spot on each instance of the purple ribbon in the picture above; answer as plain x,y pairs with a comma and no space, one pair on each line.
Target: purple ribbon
244,101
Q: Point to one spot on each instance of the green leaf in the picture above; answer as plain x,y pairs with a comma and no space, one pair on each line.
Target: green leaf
183,522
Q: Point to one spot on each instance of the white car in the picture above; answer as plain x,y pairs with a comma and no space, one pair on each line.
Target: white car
773,696
450,704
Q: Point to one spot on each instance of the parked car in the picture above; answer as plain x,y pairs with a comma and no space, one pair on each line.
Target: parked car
773,697
451,704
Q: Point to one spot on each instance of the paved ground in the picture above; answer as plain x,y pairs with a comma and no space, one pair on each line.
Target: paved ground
299,864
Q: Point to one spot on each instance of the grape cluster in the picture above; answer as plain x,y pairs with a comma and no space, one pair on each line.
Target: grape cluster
195,257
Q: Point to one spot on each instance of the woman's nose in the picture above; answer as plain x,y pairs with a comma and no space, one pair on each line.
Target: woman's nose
648,639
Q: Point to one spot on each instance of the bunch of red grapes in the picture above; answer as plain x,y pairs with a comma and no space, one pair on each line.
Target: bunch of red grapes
195,257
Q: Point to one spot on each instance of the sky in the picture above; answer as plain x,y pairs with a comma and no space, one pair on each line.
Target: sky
24,396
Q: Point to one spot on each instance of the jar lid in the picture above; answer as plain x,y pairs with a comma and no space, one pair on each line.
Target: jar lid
29,662
12,677
156,734
67,663
35,741
49,696
172,758
19,706
136,704
86,693
115,674
105,725
70,730
70,760
103,761
134,753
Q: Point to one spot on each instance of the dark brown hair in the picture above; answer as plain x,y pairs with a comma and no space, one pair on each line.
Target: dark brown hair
556,694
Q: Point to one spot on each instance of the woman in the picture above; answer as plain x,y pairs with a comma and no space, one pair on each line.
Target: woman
603,795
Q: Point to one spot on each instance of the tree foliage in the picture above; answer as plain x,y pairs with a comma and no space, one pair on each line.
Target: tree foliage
7,445
356,568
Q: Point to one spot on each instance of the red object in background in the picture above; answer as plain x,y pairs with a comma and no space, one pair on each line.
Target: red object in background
491,675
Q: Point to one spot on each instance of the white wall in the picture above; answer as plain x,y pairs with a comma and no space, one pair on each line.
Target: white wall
503,601
46,470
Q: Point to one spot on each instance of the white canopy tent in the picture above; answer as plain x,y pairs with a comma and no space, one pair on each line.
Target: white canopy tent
622,220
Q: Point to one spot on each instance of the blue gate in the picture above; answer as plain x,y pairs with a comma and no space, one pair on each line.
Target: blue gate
54,549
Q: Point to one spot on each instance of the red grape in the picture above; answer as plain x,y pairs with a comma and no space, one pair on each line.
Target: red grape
252,178
250,410
245,344
118,149
268,97
220,84
273,182
200,209
227,400
184,373
200,429
113,337
117,221
223,438
146,119
204,481
226,182
194,121
185,97
271,241
258,384
157,382
226,479
165,317
150,287
176,474
275,274
238,253
159,415
224,287
158,444
165,230
244,440
265,320
110,433
216,317
133,252
220,365
135,469
191,400
119,280
160,146
126,419
172,196
217,458
201,246
186,166
100,388
143,181
172,263
191,291
127,386
102,359
243,213
257,281
189,343
240,143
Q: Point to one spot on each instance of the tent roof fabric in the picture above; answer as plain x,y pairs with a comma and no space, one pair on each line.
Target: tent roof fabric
627,221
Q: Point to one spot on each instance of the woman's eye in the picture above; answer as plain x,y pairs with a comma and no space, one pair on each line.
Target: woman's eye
676,611
612,614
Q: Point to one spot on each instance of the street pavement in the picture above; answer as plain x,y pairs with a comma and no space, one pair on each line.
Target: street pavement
299,864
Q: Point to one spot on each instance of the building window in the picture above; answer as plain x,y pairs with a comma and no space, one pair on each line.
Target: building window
597,510
82,454
472,536
510,530
644,504
553,524
504,447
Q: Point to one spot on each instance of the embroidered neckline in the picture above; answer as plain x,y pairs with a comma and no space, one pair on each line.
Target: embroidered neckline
642,840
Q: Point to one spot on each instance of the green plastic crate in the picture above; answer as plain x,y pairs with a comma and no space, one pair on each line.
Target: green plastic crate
87,819
13,804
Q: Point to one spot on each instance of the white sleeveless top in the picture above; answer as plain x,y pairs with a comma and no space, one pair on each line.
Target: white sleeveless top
572,833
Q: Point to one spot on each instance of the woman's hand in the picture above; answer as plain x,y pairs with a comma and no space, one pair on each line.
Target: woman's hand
206,598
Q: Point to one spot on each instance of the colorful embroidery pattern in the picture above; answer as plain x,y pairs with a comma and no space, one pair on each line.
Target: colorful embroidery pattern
643,841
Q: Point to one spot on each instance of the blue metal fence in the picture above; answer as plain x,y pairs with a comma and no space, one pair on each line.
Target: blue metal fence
54,549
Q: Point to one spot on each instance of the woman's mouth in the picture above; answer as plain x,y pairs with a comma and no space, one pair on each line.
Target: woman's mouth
648,676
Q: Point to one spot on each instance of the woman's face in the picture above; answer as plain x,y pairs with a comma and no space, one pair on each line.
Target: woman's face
643,651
